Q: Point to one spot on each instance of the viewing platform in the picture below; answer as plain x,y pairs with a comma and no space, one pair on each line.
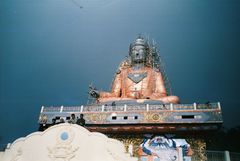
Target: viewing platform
141,118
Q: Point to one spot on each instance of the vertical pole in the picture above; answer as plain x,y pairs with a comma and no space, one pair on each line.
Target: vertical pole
226,156
171,106
195,106
219,105
61,109
81,108
102,108
125,107
180,154
42,109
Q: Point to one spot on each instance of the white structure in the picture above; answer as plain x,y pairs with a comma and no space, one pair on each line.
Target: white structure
66,142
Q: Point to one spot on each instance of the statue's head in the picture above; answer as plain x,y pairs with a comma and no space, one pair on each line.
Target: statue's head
138,51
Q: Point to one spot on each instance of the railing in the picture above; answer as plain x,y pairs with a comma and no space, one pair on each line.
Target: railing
222,156
147,107
69,109
92,108
51,109
215,155
113,108
160,107
234,156
136,108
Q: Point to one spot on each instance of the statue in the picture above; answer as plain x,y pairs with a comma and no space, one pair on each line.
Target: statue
137,78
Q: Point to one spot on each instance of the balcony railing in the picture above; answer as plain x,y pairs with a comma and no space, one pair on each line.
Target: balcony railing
147,107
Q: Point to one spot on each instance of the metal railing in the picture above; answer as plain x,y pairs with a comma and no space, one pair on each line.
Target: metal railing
147,107
234,156
222,156
215,155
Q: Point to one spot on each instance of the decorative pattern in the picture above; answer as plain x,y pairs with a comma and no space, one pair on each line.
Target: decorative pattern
198,145
63,148
66,142
96,118
135,140
199,148
17,155
137,77
64,136
155,117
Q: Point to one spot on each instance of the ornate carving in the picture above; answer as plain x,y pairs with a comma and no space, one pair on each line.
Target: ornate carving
199,148
18,155
197,145
96,117
63,148
130,139
155,117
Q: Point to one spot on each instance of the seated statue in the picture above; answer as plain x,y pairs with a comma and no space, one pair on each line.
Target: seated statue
137,78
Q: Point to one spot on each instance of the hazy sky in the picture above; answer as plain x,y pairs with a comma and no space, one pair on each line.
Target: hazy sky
51,50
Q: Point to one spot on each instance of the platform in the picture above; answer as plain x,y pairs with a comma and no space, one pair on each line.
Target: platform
140,118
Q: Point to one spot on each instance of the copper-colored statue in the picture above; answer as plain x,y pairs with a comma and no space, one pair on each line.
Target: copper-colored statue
137,78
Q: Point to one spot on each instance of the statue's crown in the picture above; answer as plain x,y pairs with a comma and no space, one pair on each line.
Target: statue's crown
139,41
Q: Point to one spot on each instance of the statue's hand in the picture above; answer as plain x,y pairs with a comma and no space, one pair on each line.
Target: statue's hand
93,92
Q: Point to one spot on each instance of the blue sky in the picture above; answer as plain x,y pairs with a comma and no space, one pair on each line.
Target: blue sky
51,50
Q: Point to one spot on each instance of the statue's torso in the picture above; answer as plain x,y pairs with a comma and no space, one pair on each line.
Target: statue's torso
137,84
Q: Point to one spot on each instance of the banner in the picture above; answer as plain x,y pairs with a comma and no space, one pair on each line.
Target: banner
160,148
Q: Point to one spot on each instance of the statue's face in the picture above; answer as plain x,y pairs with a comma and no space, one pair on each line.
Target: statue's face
138,54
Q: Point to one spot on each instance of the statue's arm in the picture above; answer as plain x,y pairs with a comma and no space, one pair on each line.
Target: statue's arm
116,88
160,90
